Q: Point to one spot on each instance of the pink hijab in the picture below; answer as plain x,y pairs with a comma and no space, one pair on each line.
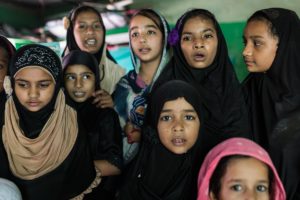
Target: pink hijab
235,146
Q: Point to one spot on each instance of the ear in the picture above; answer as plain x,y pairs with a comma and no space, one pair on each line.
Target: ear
212,196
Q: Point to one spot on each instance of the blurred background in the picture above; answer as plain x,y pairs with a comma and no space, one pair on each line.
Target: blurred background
40,21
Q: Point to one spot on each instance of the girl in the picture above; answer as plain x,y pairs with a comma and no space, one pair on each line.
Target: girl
86,32
6,52
201,58
167,164
148,33
239,169
271,53
43,148
81,79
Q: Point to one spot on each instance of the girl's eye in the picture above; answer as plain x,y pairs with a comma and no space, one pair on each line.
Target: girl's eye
135,34
97,26
190,117
44,84
70,77
86,76
186,38
207,36
165,118
82,26
257,43
23,84
150,32
236,188
262,188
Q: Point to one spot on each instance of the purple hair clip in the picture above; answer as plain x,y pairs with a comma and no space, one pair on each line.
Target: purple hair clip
173,37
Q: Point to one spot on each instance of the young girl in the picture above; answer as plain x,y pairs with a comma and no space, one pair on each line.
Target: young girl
86,32
201,58
167,164
6,52
43,147
239,169
81,79
148,33
271,53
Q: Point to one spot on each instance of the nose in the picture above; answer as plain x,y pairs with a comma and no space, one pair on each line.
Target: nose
247,51
250,195
143,38
90,30
178,125
33,92
198,43
78,83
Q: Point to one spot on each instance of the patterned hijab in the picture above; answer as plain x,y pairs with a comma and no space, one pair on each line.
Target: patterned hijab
236,146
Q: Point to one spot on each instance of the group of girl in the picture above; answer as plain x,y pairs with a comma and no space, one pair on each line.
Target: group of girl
177,126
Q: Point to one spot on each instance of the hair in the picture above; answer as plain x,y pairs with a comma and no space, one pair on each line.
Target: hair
259,16
215,180
80,9
151,14
201,13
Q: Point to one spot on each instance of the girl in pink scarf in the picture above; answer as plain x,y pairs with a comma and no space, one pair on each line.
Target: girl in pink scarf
229,168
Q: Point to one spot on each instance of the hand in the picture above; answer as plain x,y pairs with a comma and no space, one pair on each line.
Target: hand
103,99
133,134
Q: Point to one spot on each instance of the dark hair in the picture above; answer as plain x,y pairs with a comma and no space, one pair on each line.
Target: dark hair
260,16
80,9
215,180
151,14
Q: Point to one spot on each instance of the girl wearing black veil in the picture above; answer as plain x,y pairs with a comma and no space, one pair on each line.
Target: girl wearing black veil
272,88
86,32
168,162
81,79
43,147
201,58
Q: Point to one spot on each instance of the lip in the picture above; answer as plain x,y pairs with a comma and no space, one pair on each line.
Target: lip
249,62
178,141
90,42
79,94
199,57
144,50
33,103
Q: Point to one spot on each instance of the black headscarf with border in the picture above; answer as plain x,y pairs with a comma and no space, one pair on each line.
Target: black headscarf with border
32,123
158,173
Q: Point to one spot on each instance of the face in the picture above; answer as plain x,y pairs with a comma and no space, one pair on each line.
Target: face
199,42
260,46
34,87
178,126
146,39
88,32
3,66
79,82
245,178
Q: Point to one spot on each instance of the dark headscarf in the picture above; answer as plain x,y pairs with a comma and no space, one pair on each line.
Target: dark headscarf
32,123
225,110
275,93
158,173
71,42
78,57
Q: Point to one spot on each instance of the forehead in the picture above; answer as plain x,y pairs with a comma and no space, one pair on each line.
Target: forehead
87,15
77,68
34,73
140,21
198,22
257,27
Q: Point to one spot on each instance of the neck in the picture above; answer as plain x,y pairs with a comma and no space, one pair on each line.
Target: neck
148,69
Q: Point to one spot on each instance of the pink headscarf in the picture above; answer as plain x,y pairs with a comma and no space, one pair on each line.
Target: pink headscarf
235,146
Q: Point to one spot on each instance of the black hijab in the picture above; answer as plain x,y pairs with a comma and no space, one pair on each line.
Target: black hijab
32,123
71,42
275,93
158,173
224,106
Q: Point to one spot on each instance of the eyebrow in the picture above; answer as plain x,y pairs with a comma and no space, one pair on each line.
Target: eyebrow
71,73
241,180
170,110
205,30
147,26
19,79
